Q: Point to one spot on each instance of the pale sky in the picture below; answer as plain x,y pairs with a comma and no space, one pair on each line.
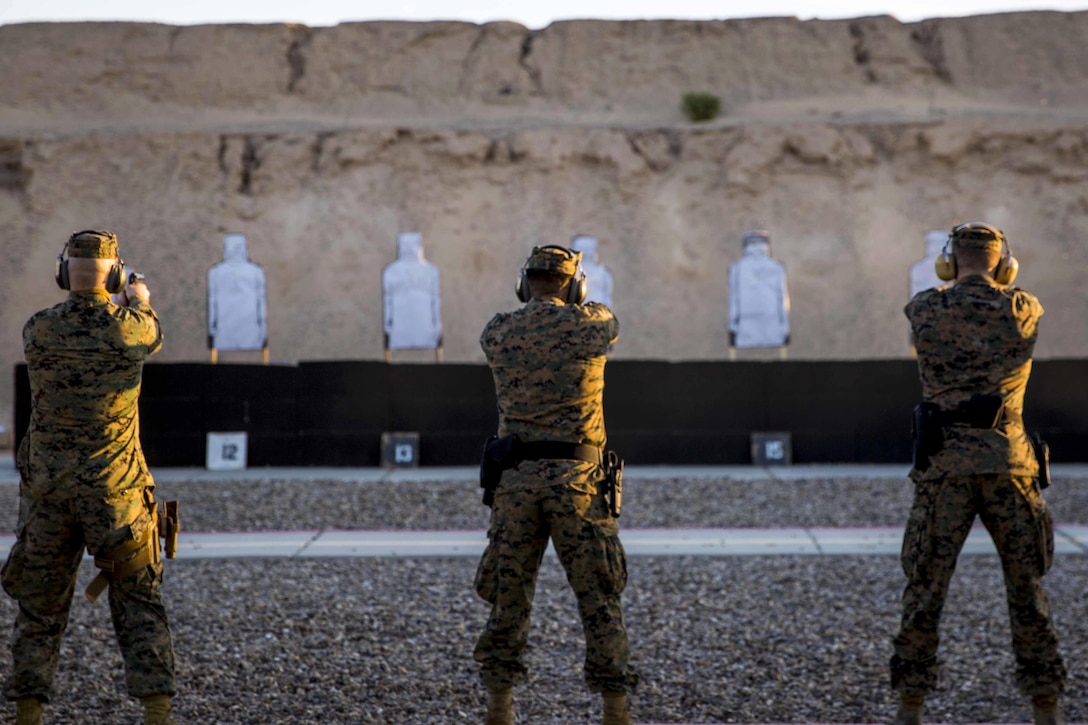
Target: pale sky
531,13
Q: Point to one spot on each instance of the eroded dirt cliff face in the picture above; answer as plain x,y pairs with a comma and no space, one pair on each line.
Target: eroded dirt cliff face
848,140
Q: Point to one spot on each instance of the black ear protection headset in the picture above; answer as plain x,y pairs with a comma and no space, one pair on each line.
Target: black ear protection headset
1007,266
115,280
579,287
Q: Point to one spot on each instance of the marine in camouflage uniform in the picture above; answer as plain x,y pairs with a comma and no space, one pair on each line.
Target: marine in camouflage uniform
977,337
547,359
85,484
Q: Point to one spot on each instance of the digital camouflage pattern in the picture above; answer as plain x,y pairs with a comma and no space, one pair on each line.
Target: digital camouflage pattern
586,540
547,359
977,235
977,337
550,258
93,245
1017,517
84,483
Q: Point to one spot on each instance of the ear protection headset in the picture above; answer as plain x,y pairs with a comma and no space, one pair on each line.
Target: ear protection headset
115,280
578,289
1007,266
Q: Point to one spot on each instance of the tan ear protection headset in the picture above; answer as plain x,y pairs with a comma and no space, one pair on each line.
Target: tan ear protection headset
1007,266
579,287
115,280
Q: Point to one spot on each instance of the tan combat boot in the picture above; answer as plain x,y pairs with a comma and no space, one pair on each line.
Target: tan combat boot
500,706
1045,710
615,709
157,710
910,710
28,711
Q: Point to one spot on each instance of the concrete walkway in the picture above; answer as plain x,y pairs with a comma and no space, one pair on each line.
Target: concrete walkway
312,544
1070,538
471,473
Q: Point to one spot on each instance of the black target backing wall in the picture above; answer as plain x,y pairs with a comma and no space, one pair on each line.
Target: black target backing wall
706,412
181,402
332,413
344,407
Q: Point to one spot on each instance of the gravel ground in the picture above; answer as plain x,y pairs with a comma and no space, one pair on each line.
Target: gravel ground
783,639
284,505
741,639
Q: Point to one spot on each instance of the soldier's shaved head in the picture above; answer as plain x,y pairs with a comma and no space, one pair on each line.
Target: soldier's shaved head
977,259
88,272
544,282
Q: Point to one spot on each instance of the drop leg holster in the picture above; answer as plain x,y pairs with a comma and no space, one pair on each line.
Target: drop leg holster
133,555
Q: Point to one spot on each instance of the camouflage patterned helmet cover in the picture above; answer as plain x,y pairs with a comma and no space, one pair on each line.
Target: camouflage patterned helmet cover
976,235
91,244
553,258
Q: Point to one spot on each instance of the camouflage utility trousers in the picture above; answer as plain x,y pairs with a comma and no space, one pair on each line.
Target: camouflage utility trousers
41,574
586,539
1013,511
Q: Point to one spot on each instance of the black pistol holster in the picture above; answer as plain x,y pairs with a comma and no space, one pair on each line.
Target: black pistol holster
169,528
613,482
1042,455
929,421
927,438
499,454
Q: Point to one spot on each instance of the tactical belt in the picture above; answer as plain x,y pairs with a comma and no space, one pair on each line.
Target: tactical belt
132,556
128,558
559,450
969,418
